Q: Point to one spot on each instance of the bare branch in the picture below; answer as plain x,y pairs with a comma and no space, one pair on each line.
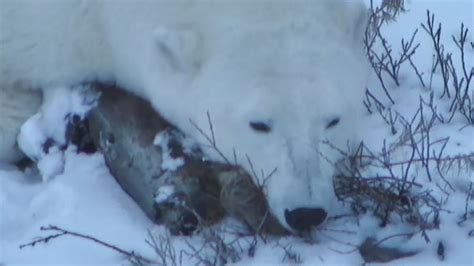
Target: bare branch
63,232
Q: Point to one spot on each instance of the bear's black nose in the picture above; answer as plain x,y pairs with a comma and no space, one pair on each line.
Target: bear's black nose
302,219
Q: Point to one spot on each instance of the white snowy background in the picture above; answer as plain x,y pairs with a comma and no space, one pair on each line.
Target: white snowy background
85,198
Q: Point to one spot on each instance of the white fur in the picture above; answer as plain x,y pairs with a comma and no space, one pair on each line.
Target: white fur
295,64
16,106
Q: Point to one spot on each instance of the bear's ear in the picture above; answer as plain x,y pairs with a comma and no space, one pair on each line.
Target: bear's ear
178,48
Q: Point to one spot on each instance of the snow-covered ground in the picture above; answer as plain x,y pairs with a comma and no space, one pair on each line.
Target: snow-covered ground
85,198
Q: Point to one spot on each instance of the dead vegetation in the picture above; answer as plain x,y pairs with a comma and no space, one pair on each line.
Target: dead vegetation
405,178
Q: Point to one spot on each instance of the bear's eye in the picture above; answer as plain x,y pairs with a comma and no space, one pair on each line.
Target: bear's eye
333,122
263,127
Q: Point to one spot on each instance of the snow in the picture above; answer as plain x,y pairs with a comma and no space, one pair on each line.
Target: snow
85,198
31,137
42,136
168,162
163,193
52,164
77,192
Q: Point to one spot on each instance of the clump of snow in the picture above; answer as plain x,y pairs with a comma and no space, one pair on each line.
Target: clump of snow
48,127
164,193
51,164
169,163
32,137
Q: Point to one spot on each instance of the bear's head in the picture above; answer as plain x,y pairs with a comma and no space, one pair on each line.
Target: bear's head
275,88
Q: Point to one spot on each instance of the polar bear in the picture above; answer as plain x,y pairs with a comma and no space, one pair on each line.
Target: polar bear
277,78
